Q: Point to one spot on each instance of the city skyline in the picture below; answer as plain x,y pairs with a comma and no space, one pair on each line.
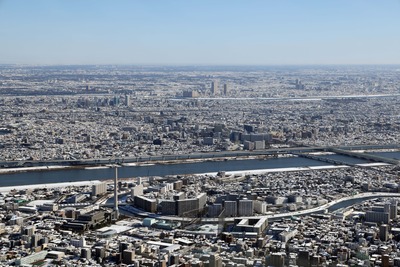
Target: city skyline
199,33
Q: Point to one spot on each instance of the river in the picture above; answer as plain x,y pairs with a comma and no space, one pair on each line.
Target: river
75,175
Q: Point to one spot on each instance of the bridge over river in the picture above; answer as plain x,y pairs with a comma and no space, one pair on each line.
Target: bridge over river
362,155
345,150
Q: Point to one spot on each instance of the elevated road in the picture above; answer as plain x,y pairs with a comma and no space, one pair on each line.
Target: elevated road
331,206
365,156
160,158
323,159
189,156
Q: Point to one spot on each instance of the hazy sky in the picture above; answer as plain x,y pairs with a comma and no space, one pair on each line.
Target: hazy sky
215,32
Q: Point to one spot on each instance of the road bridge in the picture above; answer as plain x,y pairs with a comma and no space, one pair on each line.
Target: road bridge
365,156
191,156
324,159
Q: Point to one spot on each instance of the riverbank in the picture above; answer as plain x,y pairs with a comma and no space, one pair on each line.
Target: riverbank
292,169
35,169
227,173
51,185
308,168
55,174
135,164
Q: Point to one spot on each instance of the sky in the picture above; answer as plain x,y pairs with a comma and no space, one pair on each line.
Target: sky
199,32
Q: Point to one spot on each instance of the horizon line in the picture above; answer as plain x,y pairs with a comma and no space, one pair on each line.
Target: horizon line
201,65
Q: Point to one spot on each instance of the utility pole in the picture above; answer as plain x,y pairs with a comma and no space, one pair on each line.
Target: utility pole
116,193
159,256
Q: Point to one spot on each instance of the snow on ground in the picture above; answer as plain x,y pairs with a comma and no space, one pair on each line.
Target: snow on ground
53,185
246,172
27,169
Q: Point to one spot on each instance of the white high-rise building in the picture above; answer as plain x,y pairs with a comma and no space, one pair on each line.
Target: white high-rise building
127,100
215,260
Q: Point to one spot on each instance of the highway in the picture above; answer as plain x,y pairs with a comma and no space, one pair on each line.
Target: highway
364,156
320,209
190,156
271,217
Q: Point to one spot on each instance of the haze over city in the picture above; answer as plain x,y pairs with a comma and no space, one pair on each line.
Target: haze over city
226,32
200,133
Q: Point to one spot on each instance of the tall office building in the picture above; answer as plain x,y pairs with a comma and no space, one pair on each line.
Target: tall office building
245,207
226,89
215,261
191,206
86,253
115,100
230,208
99,189
393,209
378,217
168,207
29,230
276,259
214,210
128,256
35,240
137,190
145,203
127,100
384,232
214,88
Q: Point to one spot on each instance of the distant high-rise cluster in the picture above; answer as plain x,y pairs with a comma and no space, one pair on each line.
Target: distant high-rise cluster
215,89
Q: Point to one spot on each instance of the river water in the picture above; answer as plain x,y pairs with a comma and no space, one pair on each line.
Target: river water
75,175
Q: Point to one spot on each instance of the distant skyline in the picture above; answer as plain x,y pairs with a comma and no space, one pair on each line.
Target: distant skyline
204,32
